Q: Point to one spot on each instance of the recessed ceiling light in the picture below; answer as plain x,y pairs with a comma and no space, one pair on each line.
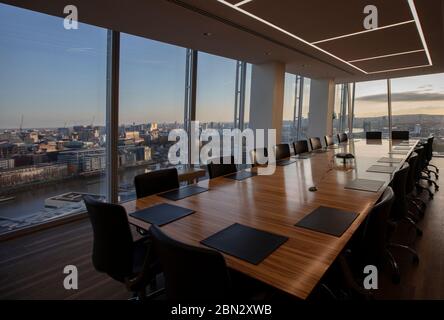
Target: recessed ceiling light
364,31
267,53
242,2
268,23
399,69
418,26
387,55
313,44
207,34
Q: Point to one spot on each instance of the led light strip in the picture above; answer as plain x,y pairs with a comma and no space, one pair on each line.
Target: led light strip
287,33
387,55
398,69
242,3
364,31
313,44
418,26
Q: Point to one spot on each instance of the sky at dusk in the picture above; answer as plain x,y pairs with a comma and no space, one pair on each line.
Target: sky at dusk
56,77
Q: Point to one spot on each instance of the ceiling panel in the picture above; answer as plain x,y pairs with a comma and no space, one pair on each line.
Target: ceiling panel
398,39
316,20
393,62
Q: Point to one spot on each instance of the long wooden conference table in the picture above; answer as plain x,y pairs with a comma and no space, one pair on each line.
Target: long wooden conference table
275,203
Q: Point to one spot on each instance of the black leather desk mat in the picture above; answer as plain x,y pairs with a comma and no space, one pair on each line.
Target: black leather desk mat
328,220
390,160
365,185
399,152
241,175
182,193
284,162
161,214
246,243
381,169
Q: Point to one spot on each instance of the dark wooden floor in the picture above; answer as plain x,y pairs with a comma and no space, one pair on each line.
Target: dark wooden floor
31,267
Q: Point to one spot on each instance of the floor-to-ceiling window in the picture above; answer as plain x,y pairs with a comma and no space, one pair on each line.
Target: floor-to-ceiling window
371,108
305,109
337,109
216,91
52,106
418,107
289,126
152,95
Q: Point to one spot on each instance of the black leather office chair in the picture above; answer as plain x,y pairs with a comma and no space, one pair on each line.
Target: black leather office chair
300,146
259,156
400,135
155,182
282,151
315,143
329,141
342,137
422,162
376,135
428,158
114,251
400,211
220,169
410,187
191,273
372,247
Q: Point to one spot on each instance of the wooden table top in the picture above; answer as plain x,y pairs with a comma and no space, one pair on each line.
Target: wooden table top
275,203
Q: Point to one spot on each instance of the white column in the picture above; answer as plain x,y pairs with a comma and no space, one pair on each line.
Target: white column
267,97
322,103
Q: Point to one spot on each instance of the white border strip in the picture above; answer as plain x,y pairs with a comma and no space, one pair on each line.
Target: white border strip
242,3
365,31
387,55
288,33
418,26
398,69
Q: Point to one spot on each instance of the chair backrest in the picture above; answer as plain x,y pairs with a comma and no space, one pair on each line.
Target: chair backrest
398,184
113,242
300,146
413,162
429,148
282,151
400,135
259,156
342,137
220,169
329,141
315,143
156,181
191,273
421,151
376,229
373,135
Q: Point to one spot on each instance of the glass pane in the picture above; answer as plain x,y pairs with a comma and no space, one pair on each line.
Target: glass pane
247,97
337,109
418,107
52,106
152,95
371,108
216,88
288,125
305,109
